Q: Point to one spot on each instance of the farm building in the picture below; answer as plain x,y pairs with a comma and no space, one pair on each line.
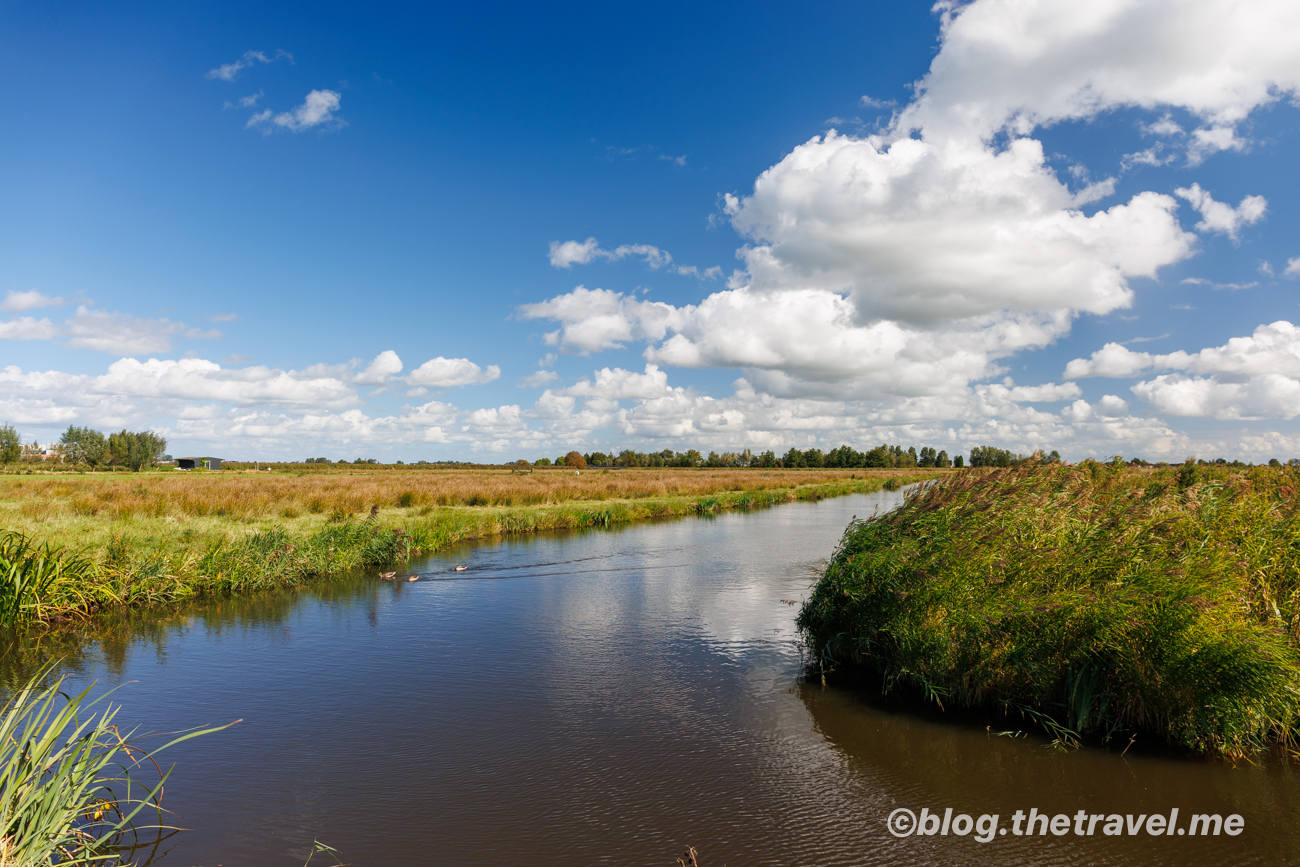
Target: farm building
201,463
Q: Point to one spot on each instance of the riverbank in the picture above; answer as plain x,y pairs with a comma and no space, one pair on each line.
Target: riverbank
152,539
1099,601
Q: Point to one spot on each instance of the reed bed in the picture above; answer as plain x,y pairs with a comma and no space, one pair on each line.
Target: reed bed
29,500
113,560
1095,599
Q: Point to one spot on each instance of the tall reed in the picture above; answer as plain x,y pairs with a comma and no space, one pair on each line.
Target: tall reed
68,793
1094,598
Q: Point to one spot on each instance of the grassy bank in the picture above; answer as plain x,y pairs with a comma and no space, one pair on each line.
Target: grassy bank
1098,600
160,538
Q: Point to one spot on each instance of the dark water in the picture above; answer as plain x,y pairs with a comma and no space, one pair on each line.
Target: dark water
609,698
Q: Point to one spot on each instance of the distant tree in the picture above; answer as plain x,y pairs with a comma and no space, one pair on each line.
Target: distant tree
81,445
576,460
1053,457
941,459
134,450
11,445
767,460
959,462
692,458
1274,462
926,457
629,458
542,462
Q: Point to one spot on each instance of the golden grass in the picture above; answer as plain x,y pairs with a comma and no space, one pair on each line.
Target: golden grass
28,502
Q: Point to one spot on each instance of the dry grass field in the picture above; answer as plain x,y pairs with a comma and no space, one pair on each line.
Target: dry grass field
28,501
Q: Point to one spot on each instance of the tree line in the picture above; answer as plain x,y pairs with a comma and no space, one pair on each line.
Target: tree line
845,457
132,450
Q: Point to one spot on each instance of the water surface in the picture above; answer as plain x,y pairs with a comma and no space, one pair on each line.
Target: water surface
608,698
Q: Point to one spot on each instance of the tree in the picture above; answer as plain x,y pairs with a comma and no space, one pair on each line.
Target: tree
575,460
959,462
542,462
81,445
11,445
941,459
135,449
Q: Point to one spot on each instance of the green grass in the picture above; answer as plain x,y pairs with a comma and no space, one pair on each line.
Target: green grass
1095,599
143,561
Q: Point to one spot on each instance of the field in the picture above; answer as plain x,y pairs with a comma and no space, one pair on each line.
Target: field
154,537
1100,601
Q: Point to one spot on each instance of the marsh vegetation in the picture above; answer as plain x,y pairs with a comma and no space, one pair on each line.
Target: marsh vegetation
1096,599
102,540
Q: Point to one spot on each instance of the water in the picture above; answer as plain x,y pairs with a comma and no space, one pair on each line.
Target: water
609,698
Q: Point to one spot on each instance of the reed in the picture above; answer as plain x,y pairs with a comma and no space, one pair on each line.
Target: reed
68,795
142,560
1095,599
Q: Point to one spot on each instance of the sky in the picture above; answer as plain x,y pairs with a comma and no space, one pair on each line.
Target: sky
497,231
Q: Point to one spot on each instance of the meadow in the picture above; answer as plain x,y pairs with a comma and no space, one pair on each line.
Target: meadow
77,543
1102,601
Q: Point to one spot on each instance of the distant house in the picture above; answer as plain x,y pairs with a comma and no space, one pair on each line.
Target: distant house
198,463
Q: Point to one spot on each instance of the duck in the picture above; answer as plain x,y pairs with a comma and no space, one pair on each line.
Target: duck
388,576
414,578
460,568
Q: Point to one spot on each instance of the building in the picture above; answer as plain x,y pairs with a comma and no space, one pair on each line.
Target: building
199,463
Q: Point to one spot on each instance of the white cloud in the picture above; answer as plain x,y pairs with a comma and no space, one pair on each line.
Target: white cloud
870,102
451,372
1262,396
566,254
923,233
596,319
316,110
32,299
229,71
122,334
537,379
381,370
1220,217
1292,267
28,328
1018,64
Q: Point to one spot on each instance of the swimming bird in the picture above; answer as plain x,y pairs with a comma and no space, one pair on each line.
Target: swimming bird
414,578
388,576
461,568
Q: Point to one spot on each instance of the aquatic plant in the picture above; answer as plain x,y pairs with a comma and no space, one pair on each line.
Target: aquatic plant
28,571
67,791
1092,598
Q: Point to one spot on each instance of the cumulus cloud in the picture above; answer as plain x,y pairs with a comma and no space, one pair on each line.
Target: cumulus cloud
1015,65
229,71
32,299
451,372
381,370
1220,217
317,110
921,233
1292,267
596,319
1252,377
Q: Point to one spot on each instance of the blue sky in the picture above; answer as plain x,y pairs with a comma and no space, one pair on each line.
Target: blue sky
273,232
